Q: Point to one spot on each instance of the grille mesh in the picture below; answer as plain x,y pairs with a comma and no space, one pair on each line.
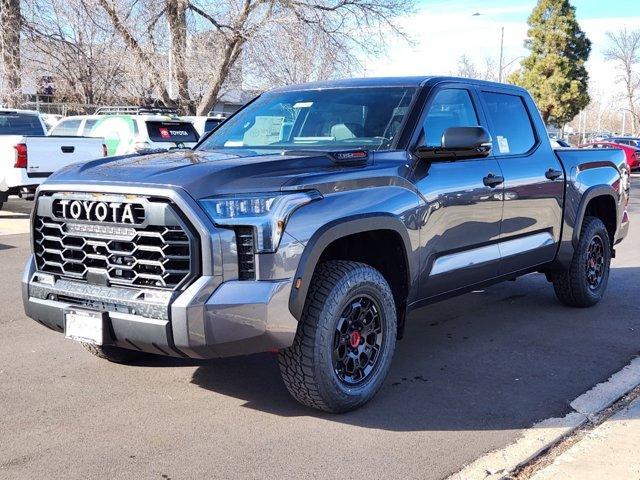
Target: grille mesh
158,256
246,252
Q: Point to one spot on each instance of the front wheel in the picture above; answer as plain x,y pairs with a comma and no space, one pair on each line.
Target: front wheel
345,340
583,284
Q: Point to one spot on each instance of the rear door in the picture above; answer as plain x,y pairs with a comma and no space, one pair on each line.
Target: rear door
533,179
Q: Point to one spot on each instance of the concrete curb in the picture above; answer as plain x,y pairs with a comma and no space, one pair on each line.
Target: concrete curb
497,464
606,393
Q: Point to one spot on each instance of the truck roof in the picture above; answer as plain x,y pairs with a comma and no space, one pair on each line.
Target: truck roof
415,81
17,110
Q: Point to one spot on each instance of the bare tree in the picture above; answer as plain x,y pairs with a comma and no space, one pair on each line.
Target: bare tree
10,25
343,24
144,56
190,52
62,41
467,68
354,24
625,53
288,53
177,20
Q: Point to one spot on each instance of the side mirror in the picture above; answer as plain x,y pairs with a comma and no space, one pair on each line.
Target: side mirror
459,143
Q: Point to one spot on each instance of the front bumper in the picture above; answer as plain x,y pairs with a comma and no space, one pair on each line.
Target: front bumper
209,319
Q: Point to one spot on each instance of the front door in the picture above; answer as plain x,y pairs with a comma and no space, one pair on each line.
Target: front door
533,181
461,222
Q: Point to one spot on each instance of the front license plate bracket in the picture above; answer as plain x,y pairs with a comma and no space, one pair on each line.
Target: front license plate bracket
87,326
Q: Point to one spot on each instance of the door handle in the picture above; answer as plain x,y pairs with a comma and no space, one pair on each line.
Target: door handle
492,180
552,174
67,149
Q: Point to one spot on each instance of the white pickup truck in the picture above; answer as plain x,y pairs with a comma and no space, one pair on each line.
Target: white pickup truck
28,156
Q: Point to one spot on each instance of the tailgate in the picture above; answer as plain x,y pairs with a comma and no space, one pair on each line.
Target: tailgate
48,154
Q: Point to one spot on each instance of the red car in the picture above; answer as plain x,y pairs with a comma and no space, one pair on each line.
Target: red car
632,153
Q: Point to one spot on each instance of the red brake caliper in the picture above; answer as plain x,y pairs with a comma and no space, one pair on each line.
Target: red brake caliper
354,339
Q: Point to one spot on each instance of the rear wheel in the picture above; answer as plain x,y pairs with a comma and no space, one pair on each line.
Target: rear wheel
345,340
583,284
115,354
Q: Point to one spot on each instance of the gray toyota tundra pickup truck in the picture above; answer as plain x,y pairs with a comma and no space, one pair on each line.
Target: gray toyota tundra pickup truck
314,220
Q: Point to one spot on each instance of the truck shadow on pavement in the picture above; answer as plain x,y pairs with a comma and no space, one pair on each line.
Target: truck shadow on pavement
500,358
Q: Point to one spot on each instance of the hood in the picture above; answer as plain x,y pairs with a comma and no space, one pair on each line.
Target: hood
202,173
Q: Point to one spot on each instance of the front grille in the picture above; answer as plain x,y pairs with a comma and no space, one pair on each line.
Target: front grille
156,256
246,253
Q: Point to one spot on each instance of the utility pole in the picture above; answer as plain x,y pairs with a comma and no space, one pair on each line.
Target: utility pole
501,57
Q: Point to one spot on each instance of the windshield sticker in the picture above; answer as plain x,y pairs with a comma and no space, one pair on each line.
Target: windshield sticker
503,144
303,105
264,131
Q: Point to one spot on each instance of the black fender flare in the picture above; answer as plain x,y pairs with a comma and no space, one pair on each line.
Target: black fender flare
589,194
333,231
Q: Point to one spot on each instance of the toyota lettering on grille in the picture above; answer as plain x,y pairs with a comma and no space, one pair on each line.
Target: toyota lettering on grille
97,211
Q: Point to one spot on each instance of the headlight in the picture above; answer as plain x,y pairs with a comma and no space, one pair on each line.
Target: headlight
267,213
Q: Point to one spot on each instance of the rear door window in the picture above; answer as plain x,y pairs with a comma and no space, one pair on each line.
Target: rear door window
14,123
66,128
511,127
172,132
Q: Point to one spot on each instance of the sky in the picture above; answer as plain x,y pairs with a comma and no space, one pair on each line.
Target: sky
444,30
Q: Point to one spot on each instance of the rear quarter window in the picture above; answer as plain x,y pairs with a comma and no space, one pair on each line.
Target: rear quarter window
172,132
20,124
66,128
511,126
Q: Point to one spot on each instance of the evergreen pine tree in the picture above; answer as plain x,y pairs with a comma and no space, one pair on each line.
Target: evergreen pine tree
554,72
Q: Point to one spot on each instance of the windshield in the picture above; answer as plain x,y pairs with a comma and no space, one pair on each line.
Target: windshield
353,118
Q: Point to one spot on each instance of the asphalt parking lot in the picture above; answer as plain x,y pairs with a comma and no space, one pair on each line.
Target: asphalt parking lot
469,375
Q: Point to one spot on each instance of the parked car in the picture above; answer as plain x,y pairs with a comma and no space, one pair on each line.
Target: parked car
128,130
632,154
630,141
314,221
143,130
28,157
204,124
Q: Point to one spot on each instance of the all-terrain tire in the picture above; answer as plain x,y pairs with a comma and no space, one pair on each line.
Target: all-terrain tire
573,286
309,368
115,354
